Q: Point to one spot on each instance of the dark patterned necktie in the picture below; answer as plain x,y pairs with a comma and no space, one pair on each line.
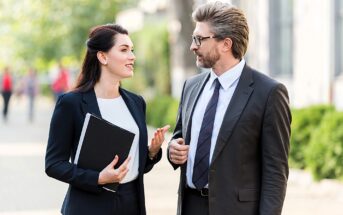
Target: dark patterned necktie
202,155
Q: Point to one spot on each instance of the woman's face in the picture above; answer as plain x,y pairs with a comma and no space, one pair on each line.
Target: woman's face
120,58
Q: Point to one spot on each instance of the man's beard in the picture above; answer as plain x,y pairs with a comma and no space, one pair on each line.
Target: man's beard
209,60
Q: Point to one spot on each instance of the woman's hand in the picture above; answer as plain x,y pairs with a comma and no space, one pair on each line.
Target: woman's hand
157,141
111,175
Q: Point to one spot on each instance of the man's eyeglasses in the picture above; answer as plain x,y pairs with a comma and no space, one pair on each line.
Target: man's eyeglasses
197,39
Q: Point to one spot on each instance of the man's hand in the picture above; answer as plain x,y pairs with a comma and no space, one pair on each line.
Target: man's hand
178,151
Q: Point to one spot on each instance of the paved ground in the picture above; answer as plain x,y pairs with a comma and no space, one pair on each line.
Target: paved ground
26,190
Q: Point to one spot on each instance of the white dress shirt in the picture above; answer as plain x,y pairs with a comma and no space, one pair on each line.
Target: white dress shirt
228,81
116,112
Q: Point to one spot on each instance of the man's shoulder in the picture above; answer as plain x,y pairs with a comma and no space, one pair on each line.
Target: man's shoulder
197,78
263,79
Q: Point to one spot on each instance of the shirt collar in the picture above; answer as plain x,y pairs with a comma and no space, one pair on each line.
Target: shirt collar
228,77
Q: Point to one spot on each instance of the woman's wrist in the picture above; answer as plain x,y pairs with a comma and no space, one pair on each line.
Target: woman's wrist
100,179
152,154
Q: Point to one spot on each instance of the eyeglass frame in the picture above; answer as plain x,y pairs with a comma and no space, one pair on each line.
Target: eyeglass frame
197,39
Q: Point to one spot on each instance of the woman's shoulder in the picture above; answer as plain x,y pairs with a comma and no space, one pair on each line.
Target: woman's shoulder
132,95
71,97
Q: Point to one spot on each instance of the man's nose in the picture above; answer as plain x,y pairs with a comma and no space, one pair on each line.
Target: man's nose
193,46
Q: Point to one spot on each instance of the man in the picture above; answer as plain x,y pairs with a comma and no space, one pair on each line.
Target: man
231,140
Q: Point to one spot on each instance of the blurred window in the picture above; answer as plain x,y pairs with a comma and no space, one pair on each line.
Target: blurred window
338,37
281,38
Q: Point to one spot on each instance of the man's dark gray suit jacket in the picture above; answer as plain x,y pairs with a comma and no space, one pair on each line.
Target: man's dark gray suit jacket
249,168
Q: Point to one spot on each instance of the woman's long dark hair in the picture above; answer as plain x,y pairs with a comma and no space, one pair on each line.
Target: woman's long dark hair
101,38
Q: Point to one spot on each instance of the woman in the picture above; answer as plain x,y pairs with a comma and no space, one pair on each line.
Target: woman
108,60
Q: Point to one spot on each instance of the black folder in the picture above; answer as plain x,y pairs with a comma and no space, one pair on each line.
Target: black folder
99,142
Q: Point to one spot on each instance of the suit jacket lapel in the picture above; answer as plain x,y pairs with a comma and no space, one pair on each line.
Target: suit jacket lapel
90,104
193,99
235,109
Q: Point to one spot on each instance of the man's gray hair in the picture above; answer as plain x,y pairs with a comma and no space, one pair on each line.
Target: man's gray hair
225,21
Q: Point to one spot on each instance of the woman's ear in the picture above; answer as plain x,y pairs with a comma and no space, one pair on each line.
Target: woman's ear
102,57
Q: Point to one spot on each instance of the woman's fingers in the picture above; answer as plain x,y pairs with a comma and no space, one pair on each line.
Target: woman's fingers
114,162
123,166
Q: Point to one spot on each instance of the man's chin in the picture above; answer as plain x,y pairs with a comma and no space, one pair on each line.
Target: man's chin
201,65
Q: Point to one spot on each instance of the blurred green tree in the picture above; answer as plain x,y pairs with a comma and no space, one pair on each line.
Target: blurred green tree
152,67
41,31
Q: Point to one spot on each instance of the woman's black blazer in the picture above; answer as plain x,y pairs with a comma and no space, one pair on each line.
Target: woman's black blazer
84,195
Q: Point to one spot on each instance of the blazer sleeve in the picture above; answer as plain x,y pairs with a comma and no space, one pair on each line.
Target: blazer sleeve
149,163
178,127
59,149
275,147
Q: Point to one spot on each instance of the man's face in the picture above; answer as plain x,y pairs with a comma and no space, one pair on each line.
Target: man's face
206,48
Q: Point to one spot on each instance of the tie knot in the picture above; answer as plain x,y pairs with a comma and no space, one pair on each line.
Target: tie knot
217,84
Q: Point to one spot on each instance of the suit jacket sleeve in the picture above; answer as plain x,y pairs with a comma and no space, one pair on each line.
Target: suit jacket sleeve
178,127
275,148
59,149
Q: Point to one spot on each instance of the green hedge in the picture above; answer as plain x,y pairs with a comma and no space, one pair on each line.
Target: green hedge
162,110
324,155
304,122
317,141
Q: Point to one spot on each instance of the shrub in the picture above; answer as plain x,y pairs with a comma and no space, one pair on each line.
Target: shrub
324,156
304,122
162,110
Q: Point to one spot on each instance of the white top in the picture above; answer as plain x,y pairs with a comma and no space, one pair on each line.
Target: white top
116,112
228,81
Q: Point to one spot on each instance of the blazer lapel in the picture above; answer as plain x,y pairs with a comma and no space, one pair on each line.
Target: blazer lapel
134,109
90,104
138,115
193,99
234,110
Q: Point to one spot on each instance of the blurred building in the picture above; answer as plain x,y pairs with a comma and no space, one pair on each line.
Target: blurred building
300,43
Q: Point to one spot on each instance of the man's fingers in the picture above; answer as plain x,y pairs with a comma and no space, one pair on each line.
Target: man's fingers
178,147
179,160
180,141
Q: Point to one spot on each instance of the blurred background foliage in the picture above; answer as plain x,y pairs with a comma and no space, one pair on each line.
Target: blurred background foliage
152,67
41,32
317,141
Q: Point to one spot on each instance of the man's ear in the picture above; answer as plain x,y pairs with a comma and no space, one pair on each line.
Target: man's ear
227,44
102,57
